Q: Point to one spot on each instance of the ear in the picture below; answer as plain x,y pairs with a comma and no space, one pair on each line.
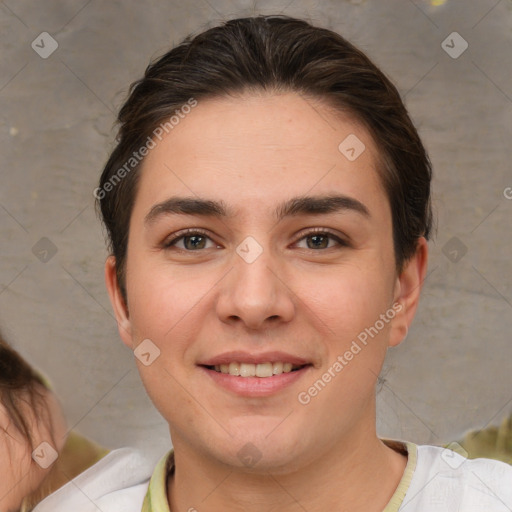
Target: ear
407,292
118,303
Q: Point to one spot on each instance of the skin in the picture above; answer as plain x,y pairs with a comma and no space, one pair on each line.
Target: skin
21,476
253,153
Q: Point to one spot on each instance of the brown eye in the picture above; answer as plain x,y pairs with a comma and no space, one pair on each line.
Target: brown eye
317,241
194,242
191,241
321,240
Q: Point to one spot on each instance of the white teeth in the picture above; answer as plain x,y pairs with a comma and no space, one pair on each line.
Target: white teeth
277,368
247,370
255,370
264,370
234,369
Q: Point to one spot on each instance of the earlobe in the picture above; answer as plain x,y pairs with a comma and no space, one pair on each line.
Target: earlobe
407,292
118,302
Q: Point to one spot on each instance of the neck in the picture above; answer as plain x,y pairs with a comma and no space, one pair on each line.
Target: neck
337,479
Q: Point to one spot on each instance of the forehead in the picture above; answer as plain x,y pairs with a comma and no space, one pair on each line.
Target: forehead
256,149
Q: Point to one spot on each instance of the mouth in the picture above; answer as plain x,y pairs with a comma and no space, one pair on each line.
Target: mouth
261,370
255,375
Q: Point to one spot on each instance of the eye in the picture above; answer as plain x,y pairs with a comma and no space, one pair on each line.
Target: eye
190,240
321,239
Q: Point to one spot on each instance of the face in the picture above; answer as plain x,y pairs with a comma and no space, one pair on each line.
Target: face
288,265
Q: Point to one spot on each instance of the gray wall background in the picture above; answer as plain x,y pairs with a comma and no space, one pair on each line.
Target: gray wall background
56,127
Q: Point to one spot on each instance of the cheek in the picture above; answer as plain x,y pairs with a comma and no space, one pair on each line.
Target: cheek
345,300
168,306
161,297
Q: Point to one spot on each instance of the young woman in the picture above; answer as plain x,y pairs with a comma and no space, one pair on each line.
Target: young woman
268,208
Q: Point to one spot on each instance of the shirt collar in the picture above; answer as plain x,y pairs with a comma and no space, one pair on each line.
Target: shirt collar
156,496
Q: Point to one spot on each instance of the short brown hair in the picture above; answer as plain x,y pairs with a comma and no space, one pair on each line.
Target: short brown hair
274,53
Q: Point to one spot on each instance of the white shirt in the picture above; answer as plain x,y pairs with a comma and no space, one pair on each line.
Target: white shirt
435,480
117,483
445,481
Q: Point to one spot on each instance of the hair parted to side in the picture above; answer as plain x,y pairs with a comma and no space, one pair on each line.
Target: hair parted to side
275,54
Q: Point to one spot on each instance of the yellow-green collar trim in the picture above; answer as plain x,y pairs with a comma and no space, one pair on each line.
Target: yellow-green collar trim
156,496
403,486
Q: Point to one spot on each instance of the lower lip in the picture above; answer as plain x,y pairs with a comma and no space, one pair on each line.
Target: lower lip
255,386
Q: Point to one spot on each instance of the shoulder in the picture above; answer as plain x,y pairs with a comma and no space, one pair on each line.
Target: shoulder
117,483
445,480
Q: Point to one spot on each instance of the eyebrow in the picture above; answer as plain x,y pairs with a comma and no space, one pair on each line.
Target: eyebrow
302,205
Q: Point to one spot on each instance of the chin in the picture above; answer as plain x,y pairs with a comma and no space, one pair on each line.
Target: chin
264,446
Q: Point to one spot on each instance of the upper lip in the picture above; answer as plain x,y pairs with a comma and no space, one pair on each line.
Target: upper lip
246,357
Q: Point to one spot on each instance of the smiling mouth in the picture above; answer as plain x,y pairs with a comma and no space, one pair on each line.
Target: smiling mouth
263,370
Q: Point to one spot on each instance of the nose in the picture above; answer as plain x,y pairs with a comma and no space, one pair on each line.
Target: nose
254,294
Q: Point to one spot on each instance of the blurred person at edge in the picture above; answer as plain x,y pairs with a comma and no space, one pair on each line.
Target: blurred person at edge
37,453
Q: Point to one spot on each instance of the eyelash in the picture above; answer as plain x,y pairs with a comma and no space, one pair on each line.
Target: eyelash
170,242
